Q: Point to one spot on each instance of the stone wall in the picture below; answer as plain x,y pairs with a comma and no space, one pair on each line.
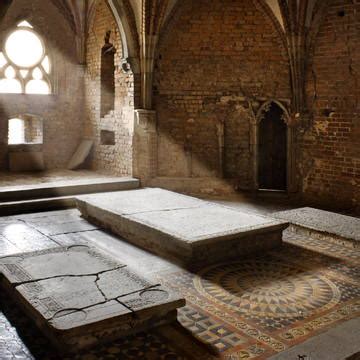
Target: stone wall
33,130
62,112
211,61
113,132
331,147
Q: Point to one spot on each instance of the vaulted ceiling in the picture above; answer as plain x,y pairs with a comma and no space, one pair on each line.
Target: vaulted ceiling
150,15
141,23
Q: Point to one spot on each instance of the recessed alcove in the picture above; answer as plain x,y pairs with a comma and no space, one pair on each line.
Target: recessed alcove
107,76
107,137
25,130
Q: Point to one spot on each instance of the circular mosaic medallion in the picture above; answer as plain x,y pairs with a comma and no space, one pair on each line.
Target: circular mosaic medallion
267,288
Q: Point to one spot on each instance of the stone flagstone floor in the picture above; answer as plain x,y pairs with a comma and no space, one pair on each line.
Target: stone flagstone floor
248,309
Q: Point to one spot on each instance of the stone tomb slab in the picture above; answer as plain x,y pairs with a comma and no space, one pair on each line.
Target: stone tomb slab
324,224
181,227
80,297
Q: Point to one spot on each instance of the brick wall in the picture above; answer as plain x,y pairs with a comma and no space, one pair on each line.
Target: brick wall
331,147
33,129
213,56
112,156
62,116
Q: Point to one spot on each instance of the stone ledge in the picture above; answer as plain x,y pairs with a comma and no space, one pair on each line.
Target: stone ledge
332,226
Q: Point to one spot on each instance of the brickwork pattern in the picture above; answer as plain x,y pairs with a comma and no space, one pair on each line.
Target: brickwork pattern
211,60
33,130
331,147
112,158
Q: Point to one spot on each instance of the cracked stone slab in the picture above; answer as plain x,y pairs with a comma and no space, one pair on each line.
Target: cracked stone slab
181,227
80,297
321,221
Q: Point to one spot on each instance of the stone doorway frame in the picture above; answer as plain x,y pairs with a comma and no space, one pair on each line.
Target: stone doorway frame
291,144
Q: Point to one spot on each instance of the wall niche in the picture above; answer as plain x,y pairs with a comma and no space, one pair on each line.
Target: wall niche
107,137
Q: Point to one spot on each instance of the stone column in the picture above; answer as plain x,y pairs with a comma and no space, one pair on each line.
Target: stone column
145,145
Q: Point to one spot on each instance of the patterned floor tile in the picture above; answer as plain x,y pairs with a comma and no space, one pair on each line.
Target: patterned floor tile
271,301
246,309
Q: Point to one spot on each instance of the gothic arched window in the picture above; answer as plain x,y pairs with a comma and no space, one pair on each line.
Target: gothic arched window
24,63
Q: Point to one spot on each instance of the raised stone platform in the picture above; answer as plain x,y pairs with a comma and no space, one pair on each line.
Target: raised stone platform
80,297
332,226
181,227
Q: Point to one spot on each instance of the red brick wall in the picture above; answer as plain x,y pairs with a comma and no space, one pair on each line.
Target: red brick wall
213,54
331,147
115,158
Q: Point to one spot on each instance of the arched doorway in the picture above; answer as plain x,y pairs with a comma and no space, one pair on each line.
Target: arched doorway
272,149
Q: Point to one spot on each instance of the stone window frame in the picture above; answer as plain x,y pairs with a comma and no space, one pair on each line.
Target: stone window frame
27,117
48,77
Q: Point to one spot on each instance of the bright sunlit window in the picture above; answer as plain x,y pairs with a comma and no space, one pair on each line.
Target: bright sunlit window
25,129
16,131
24,65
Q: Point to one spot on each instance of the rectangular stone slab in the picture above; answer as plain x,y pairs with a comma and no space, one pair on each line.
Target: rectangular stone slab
181,227
325,222
80,297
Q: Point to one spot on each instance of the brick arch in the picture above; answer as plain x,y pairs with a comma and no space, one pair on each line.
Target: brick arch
211,62
111,94
171,24
125,19
268,12
261,5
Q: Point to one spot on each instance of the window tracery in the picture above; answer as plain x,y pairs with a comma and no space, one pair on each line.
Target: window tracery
24,63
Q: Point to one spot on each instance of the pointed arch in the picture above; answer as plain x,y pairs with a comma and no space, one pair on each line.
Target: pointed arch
255,142
263,108
125,19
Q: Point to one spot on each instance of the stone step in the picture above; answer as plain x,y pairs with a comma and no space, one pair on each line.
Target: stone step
66,188
80,297
181,227
37,205
323,224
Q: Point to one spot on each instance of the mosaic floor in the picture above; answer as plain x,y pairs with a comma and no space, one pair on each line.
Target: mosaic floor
260,306
249,309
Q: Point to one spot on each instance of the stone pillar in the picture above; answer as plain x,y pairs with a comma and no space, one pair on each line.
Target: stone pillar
145,145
